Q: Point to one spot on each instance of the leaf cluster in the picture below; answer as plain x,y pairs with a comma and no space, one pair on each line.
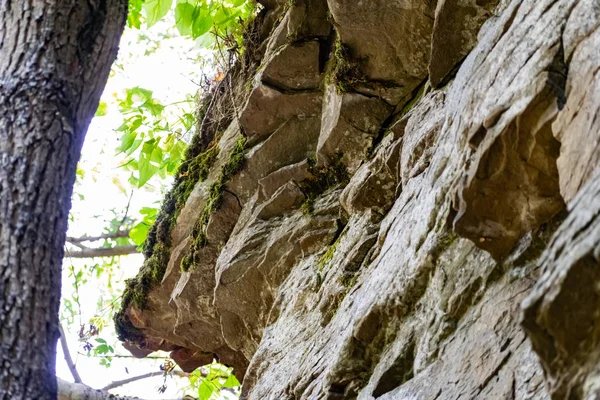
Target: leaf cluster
196,18
214,378
150,143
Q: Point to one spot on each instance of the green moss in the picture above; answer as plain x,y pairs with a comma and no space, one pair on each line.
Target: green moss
348,280
345,70
136,290
322,180
328,256
186,262
197,162
215,196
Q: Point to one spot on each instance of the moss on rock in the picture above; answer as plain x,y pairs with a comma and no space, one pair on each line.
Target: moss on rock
234,164
345,71
322,179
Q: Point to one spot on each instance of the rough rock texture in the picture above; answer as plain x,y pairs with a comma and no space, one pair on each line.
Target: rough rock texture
404,205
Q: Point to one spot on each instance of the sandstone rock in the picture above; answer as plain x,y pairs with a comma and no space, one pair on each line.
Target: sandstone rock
304,19
294,67
375,184
577,124
268,185
419,133
407,283
267,109
561,314
350,123
293,142
392,38
455,30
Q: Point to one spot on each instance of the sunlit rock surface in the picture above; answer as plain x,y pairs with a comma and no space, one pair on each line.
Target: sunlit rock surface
404,205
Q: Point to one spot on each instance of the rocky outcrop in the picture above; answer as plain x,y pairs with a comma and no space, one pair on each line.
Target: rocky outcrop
402,204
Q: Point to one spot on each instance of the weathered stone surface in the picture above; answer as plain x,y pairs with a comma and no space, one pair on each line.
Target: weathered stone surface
391,38
350,123
258,256
577,125
304,19
406,283
375,185
294,141
268,108
561,315
294,67
455,30
511,186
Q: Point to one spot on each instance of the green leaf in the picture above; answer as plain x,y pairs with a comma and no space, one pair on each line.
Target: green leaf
154,107
205,390
156,10
146,170
237,3
135,146
184,18
142,94
102,349
149,146
101,111
137,122
127,141
231,382
149,212
135,14
139,233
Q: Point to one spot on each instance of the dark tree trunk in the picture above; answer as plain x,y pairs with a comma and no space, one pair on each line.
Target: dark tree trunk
55,56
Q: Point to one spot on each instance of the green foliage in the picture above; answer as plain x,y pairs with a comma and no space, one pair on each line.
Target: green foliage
150,142
134,18
225,19
140,231
103,349
210,379
322,180
156,10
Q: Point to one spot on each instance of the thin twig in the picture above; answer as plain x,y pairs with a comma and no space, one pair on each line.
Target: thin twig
126,212
120,356
67,353
140,377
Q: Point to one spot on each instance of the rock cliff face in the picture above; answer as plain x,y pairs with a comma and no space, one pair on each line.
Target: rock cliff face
391,199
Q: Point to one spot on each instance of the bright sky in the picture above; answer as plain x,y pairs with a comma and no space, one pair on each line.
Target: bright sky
170,72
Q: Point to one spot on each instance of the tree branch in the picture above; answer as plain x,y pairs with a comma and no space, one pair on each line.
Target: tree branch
99,252
78,391
140,377
113,235
67,353
120,356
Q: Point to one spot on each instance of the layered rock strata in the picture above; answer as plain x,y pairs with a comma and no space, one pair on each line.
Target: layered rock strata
392,200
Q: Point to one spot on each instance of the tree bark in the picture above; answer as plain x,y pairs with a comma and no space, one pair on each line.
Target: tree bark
55,56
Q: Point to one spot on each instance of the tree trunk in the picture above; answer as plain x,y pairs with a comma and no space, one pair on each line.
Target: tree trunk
55,56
